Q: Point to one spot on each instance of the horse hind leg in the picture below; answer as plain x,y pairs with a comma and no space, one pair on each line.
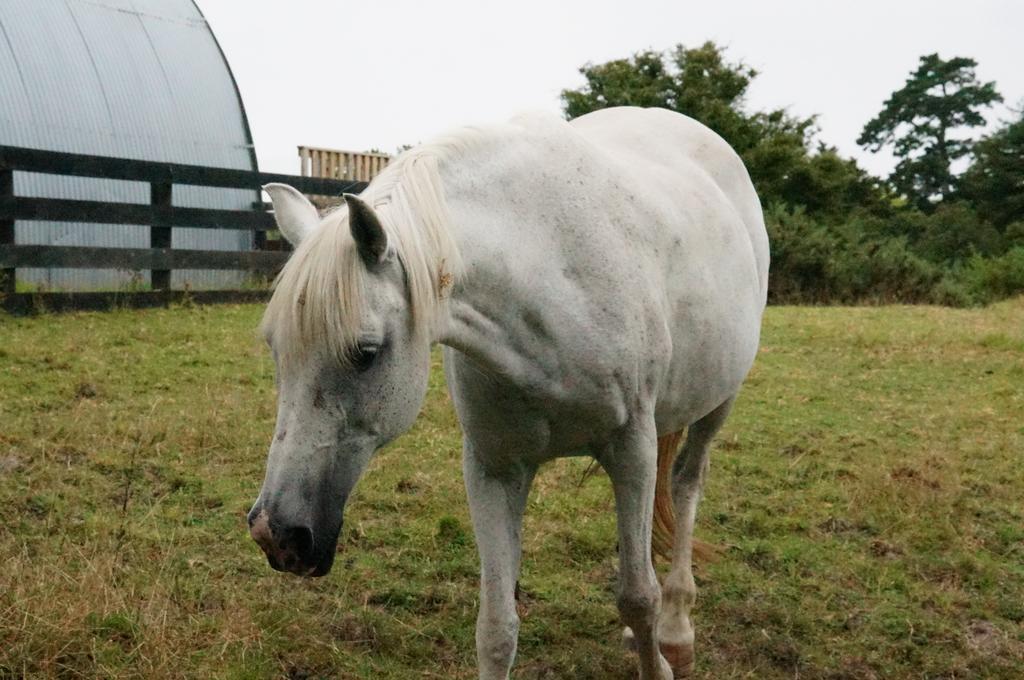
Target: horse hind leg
679,591
631,466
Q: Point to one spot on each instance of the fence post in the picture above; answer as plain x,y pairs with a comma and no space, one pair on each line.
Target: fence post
259,237
160,237
8,282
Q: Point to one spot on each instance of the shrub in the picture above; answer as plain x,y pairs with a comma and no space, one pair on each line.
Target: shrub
801,251
815,263
954,233
885,271
993,278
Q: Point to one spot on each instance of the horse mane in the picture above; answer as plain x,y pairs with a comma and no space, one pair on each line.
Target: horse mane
319,296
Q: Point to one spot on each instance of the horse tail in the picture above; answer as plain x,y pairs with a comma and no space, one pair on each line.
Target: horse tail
663,529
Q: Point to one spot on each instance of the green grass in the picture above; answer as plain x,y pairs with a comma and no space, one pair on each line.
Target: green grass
867,492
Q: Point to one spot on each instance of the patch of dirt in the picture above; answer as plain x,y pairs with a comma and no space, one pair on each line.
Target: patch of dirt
69,455
524,600
353,631
841,525
779,651
880,548
854,619
9,463
86,390
538,670
854,669
407,486
984,637
297,672
732,444
793,450
909,474
836,525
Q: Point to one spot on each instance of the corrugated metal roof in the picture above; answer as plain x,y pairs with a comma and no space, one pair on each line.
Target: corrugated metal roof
141,79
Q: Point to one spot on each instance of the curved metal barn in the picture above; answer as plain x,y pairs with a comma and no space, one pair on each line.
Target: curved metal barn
139,79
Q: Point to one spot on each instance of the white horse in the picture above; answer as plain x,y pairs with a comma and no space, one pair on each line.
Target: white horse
598,287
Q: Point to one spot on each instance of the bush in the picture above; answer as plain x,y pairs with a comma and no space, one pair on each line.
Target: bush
987,279
865,260
814,263
885,271
954,233
801,251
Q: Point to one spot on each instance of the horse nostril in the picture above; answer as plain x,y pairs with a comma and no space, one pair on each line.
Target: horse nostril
300,541
259,529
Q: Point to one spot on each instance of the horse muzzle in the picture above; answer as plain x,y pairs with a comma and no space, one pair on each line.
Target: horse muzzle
294,549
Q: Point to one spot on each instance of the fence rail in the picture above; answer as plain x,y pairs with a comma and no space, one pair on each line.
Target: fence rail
156,215
159,214
108,167
82,257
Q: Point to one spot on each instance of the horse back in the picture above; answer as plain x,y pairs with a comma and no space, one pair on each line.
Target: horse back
665,147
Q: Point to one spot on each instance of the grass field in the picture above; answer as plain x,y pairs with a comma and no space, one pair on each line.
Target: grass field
868,492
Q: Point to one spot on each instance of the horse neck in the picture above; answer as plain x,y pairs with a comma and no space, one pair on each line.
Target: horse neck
486,316
505,219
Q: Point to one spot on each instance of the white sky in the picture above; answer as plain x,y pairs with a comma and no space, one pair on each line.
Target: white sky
381,73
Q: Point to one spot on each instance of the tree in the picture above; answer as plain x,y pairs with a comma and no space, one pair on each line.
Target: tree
702,84
697,82
831,187
920,119
995,181
642,80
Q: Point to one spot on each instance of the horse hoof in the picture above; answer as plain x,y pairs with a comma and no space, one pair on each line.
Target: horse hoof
628,639
680,658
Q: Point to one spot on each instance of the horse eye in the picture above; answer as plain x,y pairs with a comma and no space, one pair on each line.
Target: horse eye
362,357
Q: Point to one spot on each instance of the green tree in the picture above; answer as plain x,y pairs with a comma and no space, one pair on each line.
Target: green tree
832,187
702,84
920,121
697,82
708,88
995,181
642,80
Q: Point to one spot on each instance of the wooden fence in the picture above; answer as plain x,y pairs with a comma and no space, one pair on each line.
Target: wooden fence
161,216
335,164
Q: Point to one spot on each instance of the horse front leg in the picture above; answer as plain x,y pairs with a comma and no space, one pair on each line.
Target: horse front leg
632,466
497,500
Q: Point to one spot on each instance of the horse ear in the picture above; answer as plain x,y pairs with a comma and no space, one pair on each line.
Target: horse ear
296,217
366,230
